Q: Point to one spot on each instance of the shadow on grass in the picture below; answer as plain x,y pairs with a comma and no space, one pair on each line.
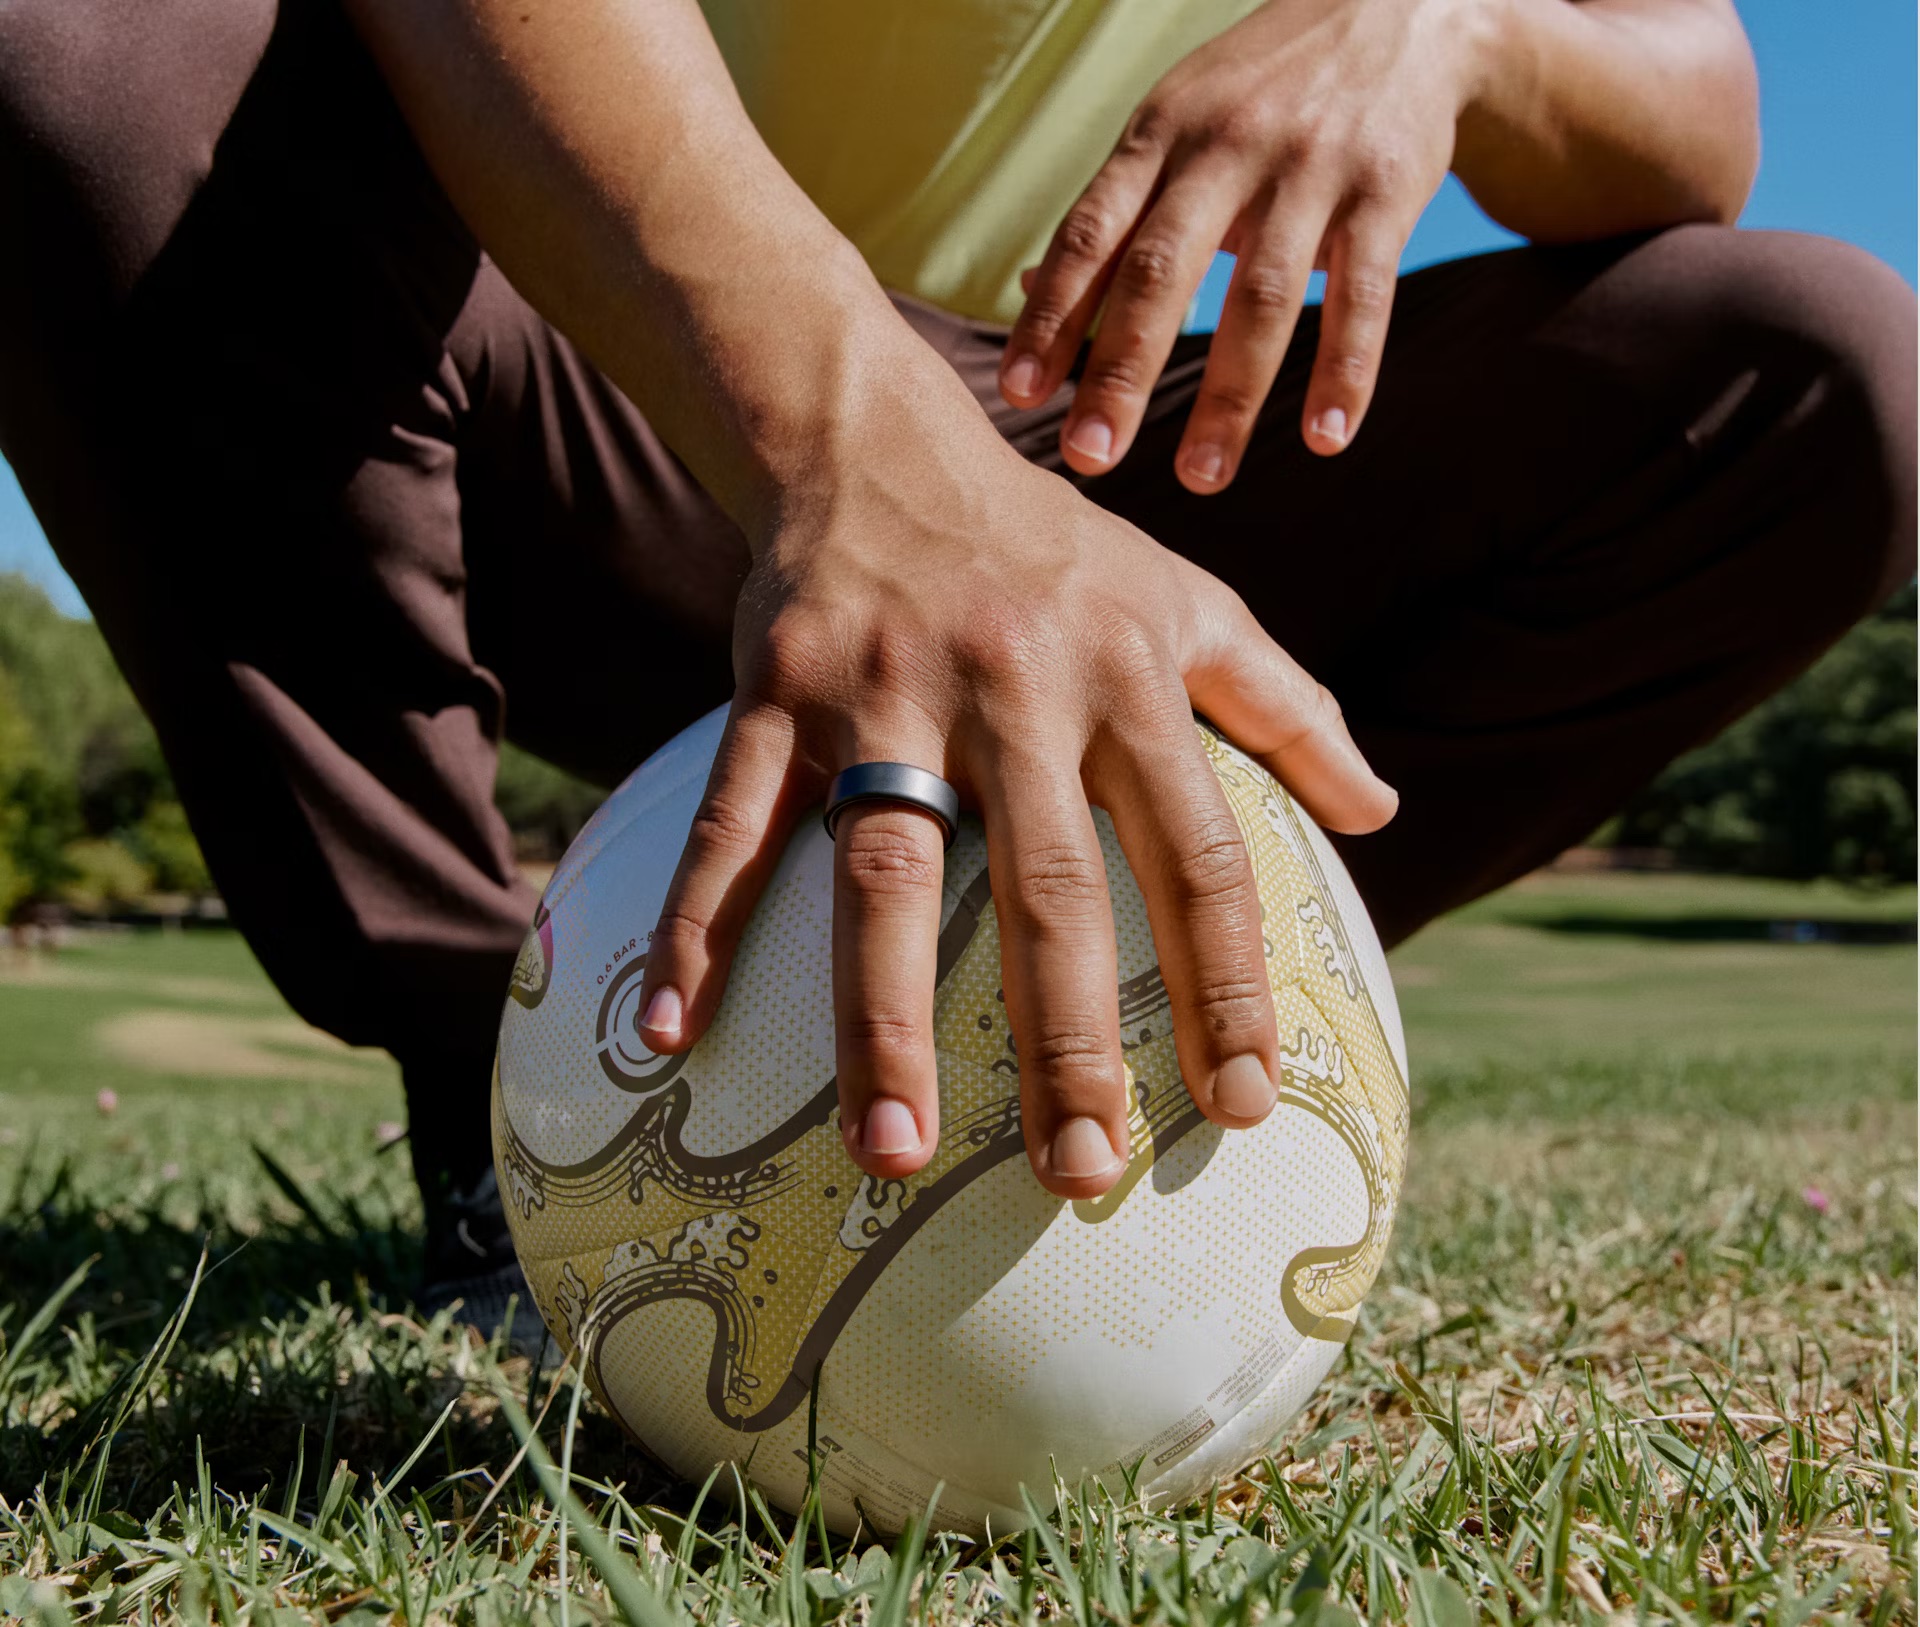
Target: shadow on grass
300,1352
1728,929
143,1257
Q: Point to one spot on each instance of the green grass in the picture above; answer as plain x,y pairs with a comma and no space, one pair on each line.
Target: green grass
1619,966
1643,1346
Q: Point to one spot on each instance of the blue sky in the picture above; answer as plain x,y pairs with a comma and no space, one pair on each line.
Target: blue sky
1837,87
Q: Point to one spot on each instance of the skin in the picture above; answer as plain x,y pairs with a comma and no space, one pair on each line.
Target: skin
1311,136
919,592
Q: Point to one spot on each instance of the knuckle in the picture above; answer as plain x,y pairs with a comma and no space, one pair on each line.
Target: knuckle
1041,318
1350,370
879,1032
1002,644
1243,126
1231,1005
1117,374
1211,867
1086,233
784,660
1226,603
1129,658
1298,149
1229,400
1376,173
1368,292
1326,710
1149,269
722,829
1054,882
1264,293
1066,1045
1315,711
883,859
1149,130
682,926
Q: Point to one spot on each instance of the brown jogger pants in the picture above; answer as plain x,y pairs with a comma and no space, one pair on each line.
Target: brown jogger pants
348,511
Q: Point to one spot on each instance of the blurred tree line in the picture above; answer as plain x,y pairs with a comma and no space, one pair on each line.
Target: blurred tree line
1817,781
88,813
87,810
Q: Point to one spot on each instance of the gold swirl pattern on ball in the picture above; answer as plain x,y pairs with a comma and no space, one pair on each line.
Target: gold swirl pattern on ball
646,1220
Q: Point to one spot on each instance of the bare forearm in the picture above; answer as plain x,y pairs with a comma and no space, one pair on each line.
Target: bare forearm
601,156
1610,116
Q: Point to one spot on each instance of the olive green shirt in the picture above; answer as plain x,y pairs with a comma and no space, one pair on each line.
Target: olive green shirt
946,138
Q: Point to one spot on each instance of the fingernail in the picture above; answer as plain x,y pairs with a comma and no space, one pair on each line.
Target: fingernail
1331,425
663,1012
1242,1090
889,1128
1081,1149
1023,376
1206,463
1092,438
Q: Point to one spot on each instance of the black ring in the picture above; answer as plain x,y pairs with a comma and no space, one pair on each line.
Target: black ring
894,782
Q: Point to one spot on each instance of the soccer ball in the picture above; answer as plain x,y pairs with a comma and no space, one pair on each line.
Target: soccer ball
961,1341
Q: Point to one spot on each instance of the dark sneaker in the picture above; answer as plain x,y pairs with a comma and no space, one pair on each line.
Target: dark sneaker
470,1265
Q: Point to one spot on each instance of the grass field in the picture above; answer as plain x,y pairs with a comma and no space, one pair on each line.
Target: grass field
1643,1346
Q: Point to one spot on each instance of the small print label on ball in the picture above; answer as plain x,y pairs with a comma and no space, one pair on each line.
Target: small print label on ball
624,1056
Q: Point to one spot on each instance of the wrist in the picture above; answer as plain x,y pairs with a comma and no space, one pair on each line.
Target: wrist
1486,36
872,401
786,383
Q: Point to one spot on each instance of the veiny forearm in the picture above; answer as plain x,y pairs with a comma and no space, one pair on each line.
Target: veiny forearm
1610,116
601,156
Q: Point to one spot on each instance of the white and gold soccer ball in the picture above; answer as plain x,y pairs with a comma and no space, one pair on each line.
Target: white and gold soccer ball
693,1228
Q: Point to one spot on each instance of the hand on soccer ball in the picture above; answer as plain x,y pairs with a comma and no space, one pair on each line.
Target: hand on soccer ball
941,602
1308,136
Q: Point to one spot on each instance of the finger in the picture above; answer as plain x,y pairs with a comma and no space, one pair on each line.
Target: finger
888,860
1072,277
1153,283
1058,968
738,834
1191,862
1362,260
1256,325
1268,705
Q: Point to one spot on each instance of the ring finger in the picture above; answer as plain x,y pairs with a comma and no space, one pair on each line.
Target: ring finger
888,860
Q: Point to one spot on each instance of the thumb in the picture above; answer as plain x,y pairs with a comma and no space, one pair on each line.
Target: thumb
1272,708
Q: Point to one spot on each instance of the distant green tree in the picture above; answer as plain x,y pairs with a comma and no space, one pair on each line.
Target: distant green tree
38,813
82,712
102,874
43,822
1817,781
19,752
86,768
163,842
121,774
87,807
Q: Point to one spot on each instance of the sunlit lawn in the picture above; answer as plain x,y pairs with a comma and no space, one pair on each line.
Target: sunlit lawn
1644,1343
